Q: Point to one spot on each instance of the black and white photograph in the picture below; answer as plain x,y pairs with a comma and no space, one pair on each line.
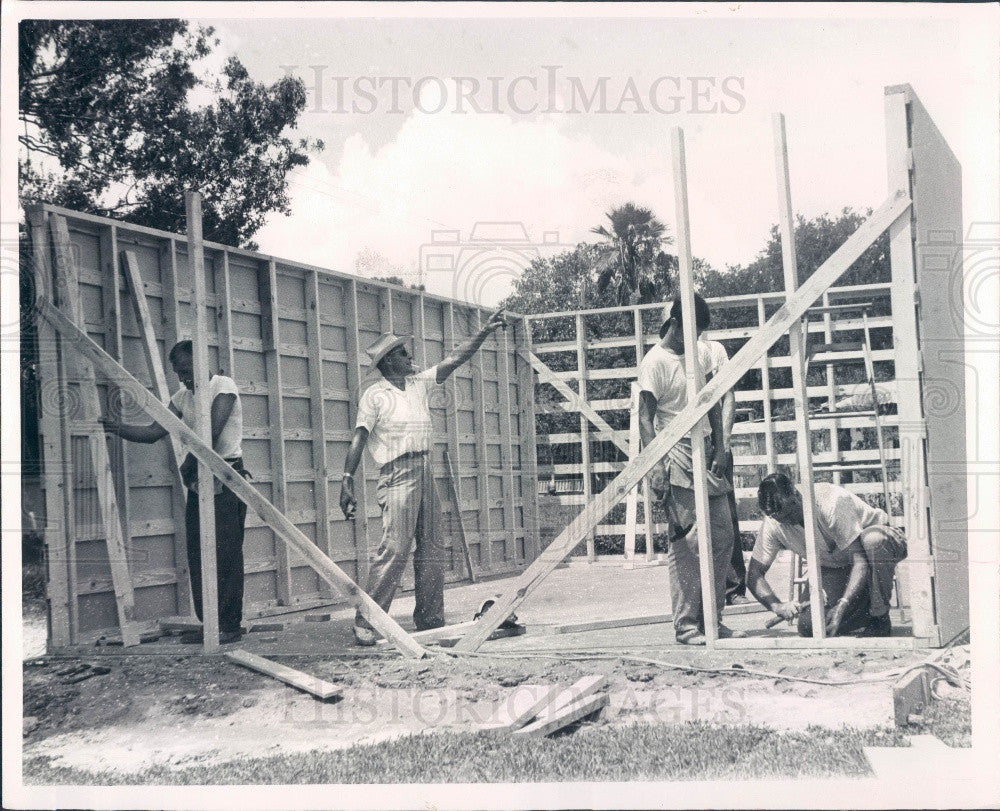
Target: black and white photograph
500,405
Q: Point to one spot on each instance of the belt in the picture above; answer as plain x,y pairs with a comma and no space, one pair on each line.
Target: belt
403,457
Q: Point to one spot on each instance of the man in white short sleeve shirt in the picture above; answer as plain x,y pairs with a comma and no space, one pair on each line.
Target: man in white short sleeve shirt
230,511
662,396
858,554
394,423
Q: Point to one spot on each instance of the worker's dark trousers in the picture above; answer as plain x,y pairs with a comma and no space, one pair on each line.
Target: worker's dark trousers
410,523
884,547
230,515
736,576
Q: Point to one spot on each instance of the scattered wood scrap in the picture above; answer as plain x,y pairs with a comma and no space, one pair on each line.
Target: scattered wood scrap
177,624
434,633
564,717
911,695
499,633
267,626
303,681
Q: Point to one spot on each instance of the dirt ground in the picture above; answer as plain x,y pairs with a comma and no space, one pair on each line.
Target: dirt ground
165,703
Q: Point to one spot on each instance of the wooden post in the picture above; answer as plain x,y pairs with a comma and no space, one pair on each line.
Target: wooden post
783,320
643,489
111,301
317,417
695,382
67,286
507,443
800,394
267,283
581,367
765,377
203,421
355,376
632,501
831,387
529,443
217,466
448,341
224,315
171,335
136,288
479,407
59,525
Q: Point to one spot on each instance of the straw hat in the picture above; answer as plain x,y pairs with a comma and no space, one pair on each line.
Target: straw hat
383,346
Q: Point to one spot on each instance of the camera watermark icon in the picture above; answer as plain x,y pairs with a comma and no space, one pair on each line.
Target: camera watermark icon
482,267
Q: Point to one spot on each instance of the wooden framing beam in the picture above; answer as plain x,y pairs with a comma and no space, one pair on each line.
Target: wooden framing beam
317,416
203,421
575,402
581,379
60,534
218,466
67,287
695,383
171,335
506,438
471,319
782,320
529,440
355,377
136,288
267,283
563,717
796,343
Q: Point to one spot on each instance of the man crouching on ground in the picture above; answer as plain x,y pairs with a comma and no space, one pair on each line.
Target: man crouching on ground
858,553
394,422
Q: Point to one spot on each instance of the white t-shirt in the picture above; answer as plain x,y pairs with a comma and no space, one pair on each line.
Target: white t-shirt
229,443
717,354
662,374
398,422
840,518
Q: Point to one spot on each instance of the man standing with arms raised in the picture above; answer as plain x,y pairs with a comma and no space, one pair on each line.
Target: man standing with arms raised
394,423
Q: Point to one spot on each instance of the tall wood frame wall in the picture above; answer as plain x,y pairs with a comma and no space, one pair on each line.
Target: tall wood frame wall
293,337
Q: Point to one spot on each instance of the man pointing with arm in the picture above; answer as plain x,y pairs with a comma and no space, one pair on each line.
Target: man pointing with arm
394,423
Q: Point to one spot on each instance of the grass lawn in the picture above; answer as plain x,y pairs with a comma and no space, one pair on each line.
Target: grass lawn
694,751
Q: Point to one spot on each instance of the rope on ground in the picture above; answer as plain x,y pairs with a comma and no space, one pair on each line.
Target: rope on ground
568,654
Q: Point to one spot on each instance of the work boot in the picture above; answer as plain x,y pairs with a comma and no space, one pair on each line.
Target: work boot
694,638
225,637
728,633
877,626
365,637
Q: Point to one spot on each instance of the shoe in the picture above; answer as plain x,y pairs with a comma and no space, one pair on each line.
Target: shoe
225,637
192,637
737,599
728,633
365,637
696,638
877,626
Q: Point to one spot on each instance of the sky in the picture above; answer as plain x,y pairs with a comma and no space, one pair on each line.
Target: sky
524,138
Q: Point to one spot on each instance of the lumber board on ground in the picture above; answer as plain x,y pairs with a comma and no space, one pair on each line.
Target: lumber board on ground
295,678
67,284
282,526
528,714
180,623
779,323
579,690
564,717
434,633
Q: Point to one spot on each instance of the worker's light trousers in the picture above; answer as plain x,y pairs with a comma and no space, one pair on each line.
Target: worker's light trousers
411,518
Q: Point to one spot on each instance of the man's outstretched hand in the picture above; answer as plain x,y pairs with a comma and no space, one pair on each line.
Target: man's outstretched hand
497,320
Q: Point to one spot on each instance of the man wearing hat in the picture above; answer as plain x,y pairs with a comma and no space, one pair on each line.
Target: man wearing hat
394,423
663,395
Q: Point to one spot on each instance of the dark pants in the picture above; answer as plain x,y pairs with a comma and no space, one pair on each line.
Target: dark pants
230,514
736,576
884,548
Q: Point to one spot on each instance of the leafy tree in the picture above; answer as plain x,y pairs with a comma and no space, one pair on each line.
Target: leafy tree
108,126
815,241
629,254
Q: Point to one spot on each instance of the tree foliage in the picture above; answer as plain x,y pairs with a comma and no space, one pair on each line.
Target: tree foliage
815,241
108,126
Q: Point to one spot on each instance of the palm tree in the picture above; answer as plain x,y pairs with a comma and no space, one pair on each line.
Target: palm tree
629,253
